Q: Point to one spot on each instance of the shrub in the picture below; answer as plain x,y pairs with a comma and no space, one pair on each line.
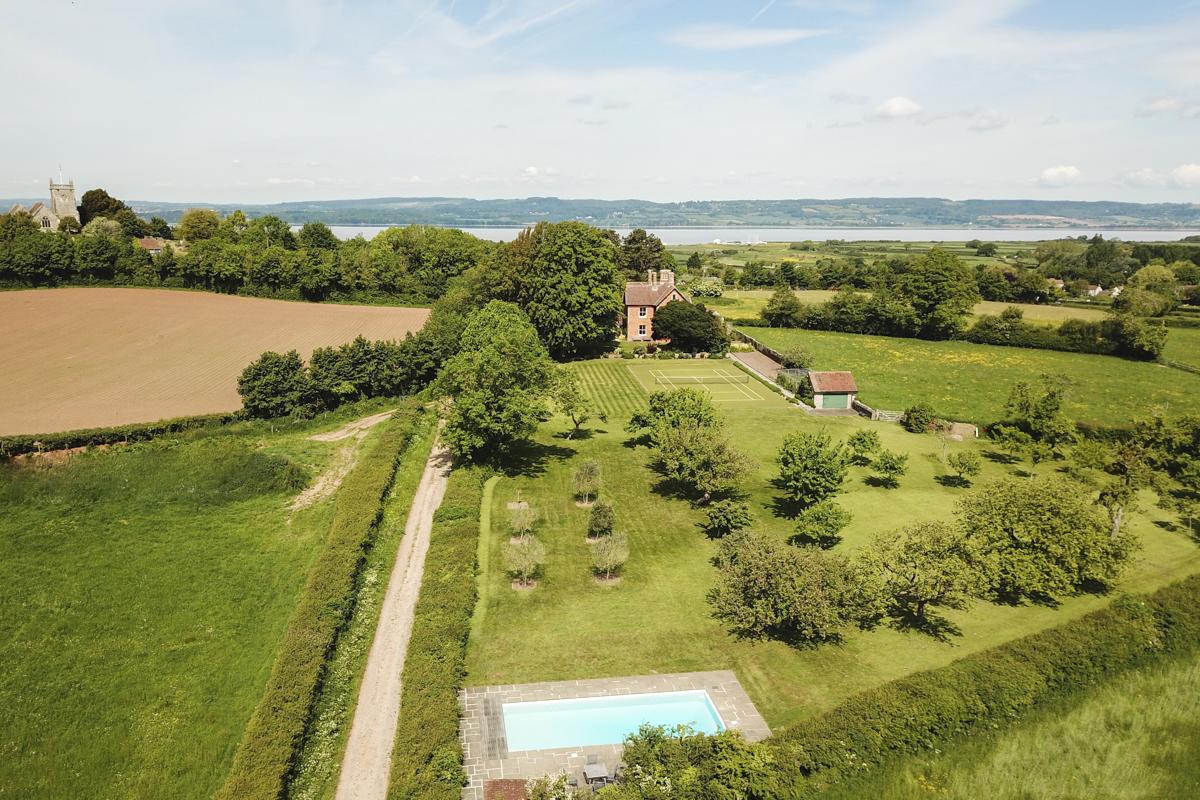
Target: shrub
796,358
918,418
275,733
984,689
426,747
821,525
726,517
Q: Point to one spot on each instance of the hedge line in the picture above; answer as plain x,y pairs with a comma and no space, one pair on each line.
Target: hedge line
273,738
427,759
916,713
89,437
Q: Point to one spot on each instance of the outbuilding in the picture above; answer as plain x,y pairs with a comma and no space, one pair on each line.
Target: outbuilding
833,389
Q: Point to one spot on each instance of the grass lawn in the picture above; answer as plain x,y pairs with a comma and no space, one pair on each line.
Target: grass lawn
1136,737
746,303
657,619
143,593
1183,344
971,381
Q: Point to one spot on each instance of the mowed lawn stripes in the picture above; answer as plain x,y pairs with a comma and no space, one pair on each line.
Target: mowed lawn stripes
611,387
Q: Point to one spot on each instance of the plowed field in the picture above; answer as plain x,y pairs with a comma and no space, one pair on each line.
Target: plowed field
83,358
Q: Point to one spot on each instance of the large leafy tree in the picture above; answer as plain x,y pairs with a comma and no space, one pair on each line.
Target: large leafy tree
691,328
197,224
812,467
276,385
784,309
1041,538
701,459
668,410
642,252
498,383
766,588
923,565
98,203
942,290
1040,413
565,276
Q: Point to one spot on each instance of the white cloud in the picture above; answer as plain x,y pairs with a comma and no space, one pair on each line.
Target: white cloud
732,37
1062,175
1160,105
1191,112
1186,176
1145,176
897,107
987,120
531,172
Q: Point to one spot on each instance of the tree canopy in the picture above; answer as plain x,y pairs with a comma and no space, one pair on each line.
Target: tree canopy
691,328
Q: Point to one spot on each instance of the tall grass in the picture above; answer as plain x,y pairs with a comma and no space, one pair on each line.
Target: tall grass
1136,737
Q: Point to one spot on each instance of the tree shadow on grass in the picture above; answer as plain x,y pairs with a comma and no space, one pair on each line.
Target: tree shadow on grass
932,625
581,435
783,506
823,542
881,483
529,459
998,457
953,481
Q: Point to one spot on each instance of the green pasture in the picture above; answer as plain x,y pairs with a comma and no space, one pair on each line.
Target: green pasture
1183,344
1136,737
657,619
143,593
971,382
810,252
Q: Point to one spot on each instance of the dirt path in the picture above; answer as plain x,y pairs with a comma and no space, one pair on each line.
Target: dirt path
368,758
351,428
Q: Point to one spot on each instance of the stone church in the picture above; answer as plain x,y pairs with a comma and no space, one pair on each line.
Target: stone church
62,205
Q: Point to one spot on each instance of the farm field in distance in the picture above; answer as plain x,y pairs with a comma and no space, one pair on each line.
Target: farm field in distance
971,382
94,357
657,618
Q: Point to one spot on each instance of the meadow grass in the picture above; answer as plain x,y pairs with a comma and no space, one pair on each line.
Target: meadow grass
1136,737
971,382
143,593
1183,344
656,619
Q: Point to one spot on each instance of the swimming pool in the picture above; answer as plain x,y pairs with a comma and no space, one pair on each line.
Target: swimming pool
582,721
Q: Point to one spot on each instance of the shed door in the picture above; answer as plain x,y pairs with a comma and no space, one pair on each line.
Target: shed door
836,401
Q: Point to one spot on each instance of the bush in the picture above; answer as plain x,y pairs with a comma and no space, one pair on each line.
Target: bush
90,437
426,746
918,418
797,358
275,733
984,689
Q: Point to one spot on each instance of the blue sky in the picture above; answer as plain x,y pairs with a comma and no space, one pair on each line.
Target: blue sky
664,100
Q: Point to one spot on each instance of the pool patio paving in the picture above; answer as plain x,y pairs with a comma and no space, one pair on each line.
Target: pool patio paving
485,749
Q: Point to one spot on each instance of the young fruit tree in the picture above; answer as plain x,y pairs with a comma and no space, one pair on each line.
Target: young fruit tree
702,460
890,467
521,520
587,480
573,402
609,553
726,517
1041,538
821,525
925,564
812,467
864,444
601,520
523,558
966,465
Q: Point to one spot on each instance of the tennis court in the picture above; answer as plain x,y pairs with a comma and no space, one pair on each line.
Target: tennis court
725,382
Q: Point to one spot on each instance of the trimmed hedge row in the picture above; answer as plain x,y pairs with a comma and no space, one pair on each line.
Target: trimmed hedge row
916,713
89,437
275,733
427,758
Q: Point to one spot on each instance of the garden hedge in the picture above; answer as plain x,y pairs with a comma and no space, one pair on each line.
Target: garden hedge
427,758
89,437
275,733
985,689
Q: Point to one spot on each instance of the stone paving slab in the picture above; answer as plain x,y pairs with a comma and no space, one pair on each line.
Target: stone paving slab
485,749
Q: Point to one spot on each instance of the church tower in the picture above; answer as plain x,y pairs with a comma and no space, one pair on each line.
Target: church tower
62,199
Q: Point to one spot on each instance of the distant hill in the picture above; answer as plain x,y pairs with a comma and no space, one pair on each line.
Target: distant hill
855,212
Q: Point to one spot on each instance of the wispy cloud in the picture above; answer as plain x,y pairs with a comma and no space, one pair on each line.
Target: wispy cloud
987,120
1144,177
1160,105
732,37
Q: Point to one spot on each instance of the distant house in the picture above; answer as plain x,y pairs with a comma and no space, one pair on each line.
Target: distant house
833,389
151,243
1094,290
1116,291
643,298
1057,283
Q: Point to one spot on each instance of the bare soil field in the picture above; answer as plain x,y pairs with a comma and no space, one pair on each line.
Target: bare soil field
84,357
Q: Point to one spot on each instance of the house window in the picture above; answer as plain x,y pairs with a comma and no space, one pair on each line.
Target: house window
641,330
642,311
46,223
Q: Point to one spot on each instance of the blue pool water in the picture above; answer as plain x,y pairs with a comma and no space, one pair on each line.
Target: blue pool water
545,724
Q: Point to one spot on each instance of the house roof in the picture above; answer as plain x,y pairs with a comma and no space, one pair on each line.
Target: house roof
647,294
832,382
150,243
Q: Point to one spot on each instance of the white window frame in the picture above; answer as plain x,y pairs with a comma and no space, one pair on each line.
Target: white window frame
641,330
641,311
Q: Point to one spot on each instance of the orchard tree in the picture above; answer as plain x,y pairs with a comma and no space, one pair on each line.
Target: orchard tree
925,564
821,524
1040,413
890,466
573,402
565,277
587,480
1041,538
601,520
726,517
812,467
966,465
523,558
497,383
691,328
701,459
521,521
1131,471
609,554
666,411
766,588
864,444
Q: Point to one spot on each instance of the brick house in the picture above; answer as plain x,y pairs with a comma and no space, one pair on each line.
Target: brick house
642,298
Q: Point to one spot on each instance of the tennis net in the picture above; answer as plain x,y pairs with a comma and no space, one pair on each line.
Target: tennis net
687,380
